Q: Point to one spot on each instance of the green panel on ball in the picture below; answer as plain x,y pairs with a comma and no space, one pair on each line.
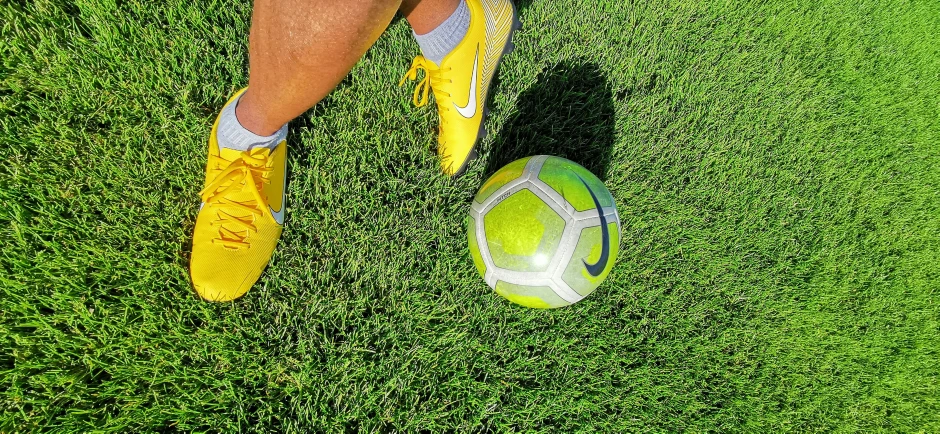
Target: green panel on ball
502,177
563,176
540,297
589,249
475,247
522,232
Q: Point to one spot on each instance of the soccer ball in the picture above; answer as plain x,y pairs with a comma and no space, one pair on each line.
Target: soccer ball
543,232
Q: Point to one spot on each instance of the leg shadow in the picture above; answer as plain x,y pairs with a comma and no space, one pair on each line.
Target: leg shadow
568,113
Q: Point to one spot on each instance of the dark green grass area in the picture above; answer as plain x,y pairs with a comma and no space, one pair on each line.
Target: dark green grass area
776,165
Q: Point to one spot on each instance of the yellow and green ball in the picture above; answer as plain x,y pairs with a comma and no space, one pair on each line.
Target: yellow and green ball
544,232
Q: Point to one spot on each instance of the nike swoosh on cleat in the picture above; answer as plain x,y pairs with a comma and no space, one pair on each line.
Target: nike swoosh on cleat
598,267
470,109
279,215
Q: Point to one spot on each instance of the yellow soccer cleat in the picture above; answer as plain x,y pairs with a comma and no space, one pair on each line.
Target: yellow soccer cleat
462,80
240,219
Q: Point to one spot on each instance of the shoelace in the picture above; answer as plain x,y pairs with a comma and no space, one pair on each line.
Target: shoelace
245,172
434,77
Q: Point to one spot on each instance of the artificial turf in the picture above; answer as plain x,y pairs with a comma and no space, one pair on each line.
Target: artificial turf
776,165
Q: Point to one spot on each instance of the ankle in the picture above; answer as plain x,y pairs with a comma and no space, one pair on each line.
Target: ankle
426,15
439,41
252,117
234,133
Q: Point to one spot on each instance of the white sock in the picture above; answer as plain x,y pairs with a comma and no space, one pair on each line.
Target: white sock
438,43
233,135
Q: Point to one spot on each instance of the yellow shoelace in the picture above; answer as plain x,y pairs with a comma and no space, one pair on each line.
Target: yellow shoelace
434,78
247,171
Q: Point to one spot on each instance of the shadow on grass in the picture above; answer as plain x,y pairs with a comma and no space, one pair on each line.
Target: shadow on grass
568,113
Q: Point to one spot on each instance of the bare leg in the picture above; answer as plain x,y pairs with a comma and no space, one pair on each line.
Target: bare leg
299,50
425,15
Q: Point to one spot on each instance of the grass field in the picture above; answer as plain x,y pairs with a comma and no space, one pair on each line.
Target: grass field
776,166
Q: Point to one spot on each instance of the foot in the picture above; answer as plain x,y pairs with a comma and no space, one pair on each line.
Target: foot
462,81
240,219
